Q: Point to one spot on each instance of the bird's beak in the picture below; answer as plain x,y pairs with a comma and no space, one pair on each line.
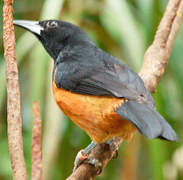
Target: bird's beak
32,26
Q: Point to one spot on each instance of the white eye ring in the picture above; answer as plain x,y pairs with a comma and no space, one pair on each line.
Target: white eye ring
52,24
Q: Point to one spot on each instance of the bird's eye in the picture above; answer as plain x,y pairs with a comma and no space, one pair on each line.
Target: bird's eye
52,24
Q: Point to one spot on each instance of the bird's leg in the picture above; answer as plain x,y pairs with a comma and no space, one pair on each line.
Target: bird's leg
83,155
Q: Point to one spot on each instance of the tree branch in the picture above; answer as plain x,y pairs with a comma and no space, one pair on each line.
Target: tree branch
154,64
88,172
13,107
36,144
157,55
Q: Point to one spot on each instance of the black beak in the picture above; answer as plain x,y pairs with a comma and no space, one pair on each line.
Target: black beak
32,26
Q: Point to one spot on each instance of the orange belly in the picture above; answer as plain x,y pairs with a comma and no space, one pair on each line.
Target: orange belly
94,114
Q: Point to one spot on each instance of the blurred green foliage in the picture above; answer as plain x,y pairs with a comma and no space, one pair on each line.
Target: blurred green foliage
123,28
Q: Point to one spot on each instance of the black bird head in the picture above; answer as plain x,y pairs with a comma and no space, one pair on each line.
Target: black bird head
54,35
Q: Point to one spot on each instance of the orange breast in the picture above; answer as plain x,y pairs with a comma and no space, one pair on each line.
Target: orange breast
94,114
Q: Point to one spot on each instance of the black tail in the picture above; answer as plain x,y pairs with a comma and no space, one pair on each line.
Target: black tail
147,120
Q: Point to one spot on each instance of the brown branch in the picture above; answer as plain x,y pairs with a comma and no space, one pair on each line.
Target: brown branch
36,144
154,64
13,107
157,55
88,172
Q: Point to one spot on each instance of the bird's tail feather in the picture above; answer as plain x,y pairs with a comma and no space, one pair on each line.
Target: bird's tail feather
147,120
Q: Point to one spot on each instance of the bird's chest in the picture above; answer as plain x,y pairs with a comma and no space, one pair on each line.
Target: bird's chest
94,114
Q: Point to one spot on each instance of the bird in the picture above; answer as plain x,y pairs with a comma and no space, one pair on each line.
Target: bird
98,92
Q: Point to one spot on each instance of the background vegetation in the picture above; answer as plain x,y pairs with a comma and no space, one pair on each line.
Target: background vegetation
123,28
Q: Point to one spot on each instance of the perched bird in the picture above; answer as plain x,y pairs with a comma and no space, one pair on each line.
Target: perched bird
95,90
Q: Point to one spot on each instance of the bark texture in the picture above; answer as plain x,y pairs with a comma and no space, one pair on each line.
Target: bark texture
13,91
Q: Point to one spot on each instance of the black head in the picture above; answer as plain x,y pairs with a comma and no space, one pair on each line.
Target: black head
54,34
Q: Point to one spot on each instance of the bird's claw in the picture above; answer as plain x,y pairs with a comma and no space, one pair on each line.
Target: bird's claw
81,156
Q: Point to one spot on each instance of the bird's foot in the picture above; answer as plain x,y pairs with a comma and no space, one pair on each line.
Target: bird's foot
83,155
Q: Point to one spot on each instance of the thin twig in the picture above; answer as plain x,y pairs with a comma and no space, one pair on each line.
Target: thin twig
154,64
13,107
36,144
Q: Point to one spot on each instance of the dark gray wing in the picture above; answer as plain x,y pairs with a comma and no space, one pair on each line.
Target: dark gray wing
101,74
118,81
